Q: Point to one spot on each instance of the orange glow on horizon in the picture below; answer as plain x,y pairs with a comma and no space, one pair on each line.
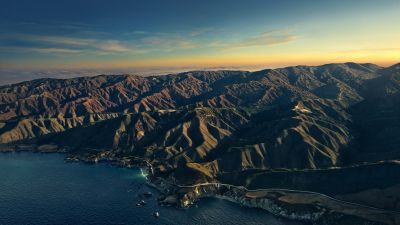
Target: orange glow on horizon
385,58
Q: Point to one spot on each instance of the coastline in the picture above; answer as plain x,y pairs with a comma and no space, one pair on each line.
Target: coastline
278,202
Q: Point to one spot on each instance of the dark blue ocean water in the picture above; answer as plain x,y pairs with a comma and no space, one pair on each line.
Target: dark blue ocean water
42,189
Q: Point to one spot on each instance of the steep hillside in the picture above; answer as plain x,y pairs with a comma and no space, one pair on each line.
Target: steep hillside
232,126
105,93
294,117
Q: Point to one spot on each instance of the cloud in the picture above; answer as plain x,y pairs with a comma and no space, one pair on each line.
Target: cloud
164,41
40,50
106,46
112,46
266,39
54,50
169,42
145,43
62,44
62,40
138,32
191,40
175,41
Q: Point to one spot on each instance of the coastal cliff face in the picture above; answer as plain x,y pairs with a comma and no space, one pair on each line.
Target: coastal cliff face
305,206
281,128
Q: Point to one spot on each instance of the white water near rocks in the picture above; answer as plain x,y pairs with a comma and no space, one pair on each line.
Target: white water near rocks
43,189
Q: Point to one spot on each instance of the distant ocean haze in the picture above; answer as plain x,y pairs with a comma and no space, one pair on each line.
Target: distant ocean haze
10,76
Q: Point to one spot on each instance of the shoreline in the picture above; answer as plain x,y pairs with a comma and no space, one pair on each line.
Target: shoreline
270,200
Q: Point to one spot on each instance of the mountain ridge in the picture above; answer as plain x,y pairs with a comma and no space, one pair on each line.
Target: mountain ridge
312,98
210,126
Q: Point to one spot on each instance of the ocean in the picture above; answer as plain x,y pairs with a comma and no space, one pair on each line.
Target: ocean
43,189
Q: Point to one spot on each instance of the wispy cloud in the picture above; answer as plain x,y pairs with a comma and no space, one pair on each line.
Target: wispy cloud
137,32
112,46
266,39
61,40
140,44
168,42
60,44
40,50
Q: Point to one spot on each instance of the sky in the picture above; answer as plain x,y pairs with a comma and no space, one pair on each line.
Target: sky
160,35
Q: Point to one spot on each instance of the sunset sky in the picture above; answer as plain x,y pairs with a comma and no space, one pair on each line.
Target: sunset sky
77,34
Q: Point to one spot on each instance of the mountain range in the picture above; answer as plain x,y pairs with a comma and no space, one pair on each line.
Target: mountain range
333,129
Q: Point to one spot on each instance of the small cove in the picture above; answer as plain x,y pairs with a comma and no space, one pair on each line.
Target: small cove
43,189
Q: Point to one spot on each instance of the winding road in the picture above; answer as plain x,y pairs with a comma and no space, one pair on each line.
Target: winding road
288,190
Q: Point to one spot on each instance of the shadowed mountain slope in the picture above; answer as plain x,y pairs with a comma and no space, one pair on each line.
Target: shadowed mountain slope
209,125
